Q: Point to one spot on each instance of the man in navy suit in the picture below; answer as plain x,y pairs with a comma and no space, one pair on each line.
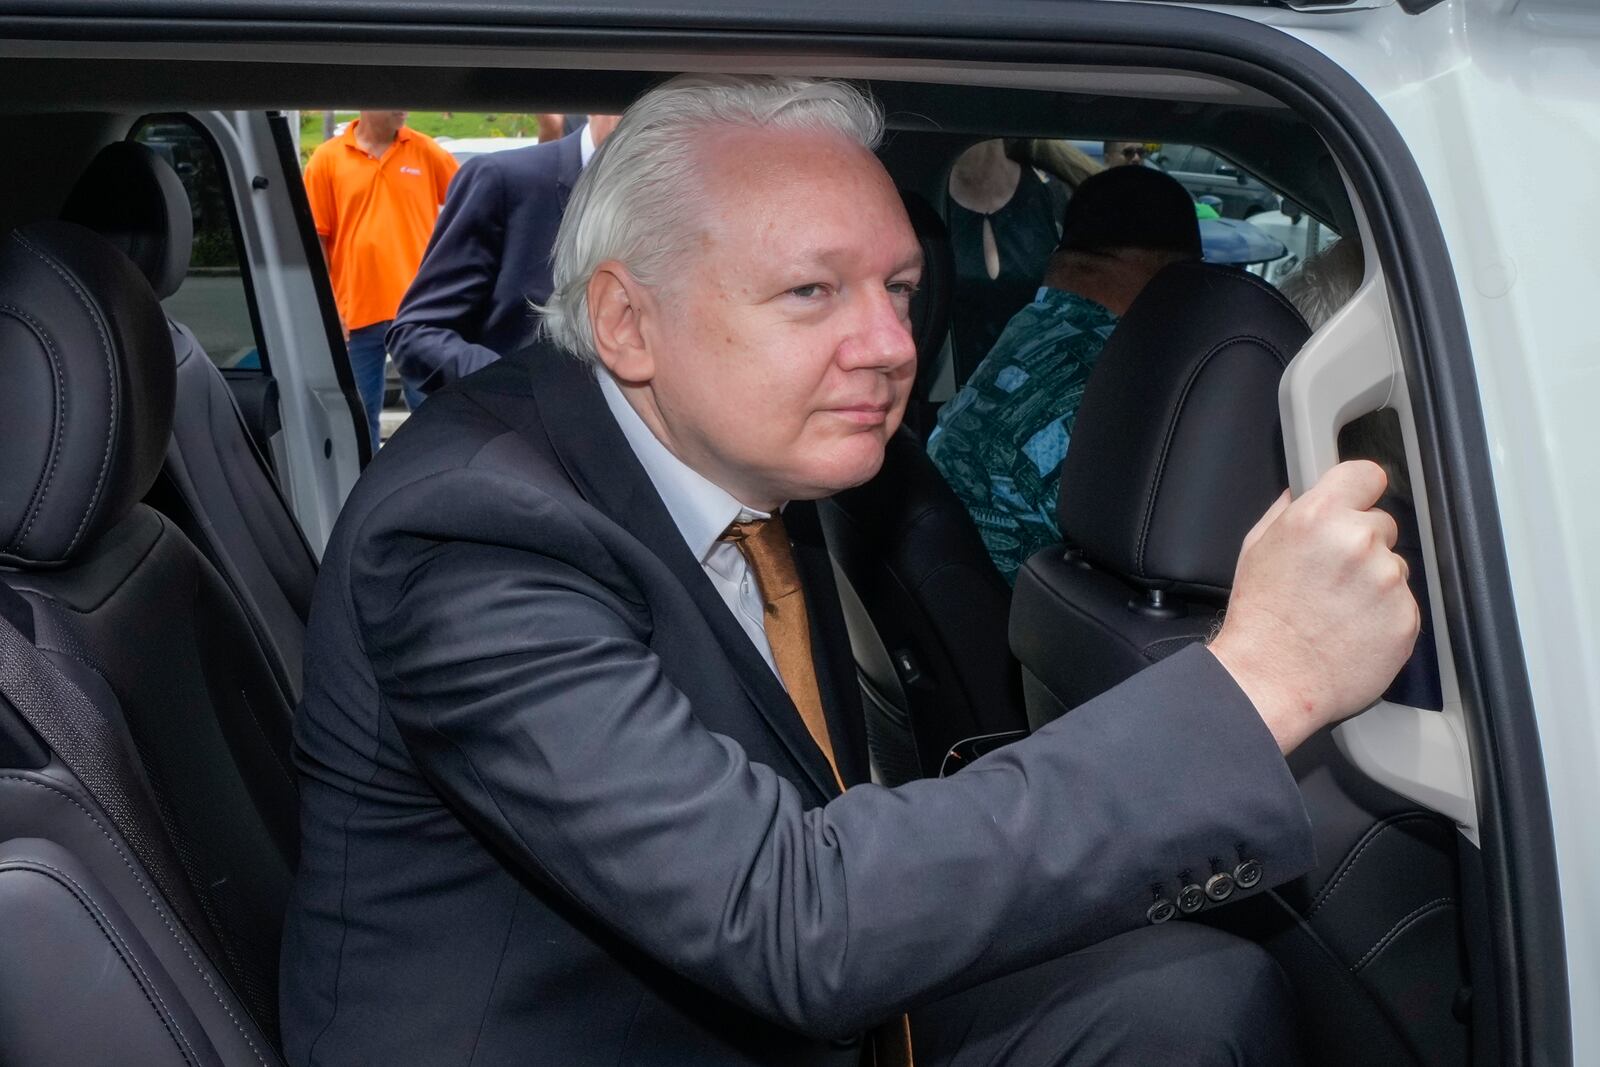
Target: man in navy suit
489,259
583,766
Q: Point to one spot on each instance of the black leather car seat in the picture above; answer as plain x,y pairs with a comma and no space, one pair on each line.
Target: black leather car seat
1176,453
215,483
125,606
925,607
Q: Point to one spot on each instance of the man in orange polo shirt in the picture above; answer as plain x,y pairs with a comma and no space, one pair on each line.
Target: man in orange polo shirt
375,192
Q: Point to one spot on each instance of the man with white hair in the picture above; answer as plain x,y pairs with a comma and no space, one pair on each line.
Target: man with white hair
583,764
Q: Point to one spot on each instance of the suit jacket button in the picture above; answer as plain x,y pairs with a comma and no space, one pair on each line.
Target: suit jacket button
1219,887
1160,912
1191,899
1248,874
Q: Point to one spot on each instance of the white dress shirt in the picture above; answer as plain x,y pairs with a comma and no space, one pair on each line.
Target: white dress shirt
585,147
702,511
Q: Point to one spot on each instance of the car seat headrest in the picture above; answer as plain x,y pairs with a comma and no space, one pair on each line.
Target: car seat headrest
930,308
132,198
86,390
1177,449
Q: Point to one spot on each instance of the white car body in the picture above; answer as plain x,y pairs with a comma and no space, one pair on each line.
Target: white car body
1479,89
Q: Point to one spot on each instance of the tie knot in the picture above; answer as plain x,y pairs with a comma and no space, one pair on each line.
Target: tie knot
765,546
739,532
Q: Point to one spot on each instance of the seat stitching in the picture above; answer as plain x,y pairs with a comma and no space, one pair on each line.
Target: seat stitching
1399,928
156,902
43,484
1350,861
111,379
277,760
124,952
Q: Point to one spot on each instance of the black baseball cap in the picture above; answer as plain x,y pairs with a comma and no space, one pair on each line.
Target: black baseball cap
1130,207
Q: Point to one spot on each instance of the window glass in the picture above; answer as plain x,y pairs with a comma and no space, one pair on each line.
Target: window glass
214,300
1201,161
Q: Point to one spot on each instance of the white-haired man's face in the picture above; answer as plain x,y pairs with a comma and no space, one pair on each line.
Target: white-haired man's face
778,359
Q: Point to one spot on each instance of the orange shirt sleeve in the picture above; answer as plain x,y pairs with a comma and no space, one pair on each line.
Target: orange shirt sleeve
319,192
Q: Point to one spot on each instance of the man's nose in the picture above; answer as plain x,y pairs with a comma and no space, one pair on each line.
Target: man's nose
882,338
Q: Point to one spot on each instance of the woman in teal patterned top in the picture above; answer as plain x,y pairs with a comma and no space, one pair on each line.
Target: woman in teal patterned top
1001,439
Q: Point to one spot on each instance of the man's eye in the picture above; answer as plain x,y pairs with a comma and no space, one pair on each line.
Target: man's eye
903,288
806,292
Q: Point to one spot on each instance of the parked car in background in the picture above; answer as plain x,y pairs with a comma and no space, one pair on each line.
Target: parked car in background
1205,173
464,148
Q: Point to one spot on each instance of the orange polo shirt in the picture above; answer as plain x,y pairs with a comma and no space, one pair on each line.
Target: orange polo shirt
377,215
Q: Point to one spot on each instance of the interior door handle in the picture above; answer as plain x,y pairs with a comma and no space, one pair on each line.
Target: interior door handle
1350,367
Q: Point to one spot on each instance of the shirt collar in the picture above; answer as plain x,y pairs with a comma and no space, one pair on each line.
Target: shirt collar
585,146
701,509
349,135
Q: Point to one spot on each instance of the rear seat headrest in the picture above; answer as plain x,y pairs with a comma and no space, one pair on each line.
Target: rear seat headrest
1177,448
86,390
132,198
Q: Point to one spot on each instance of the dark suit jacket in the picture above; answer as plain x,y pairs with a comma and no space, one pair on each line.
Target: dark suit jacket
488,257
557,809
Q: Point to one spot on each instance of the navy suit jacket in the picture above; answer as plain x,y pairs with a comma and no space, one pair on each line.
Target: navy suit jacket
557,809
489,256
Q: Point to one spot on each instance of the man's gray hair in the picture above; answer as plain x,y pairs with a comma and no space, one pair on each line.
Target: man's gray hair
638,200
1326,281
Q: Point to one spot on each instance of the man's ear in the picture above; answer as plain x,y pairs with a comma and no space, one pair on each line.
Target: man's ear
618,305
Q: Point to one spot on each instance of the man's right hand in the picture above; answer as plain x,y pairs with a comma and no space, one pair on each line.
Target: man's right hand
1320,620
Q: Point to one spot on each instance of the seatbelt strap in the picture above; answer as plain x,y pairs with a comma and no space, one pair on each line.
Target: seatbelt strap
81,738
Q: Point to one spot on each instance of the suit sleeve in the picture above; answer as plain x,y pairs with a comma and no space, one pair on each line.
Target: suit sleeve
431,341
523,685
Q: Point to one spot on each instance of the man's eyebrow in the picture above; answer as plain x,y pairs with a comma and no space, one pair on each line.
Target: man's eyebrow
915,259
825,255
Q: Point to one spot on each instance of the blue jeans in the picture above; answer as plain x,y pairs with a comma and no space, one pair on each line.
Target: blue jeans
367,357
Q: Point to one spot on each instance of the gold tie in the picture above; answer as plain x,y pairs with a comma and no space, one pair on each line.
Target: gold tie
765,546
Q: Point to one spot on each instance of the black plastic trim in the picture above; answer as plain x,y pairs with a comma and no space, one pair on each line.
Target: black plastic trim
289,166
1516,834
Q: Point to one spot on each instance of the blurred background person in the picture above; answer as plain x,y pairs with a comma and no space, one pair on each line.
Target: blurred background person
1001,440
375,191
1004,220
488,264
1126,153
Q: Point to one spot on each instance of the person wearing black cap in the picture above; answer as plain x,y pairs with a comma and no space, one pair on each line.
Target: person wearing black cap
1001,439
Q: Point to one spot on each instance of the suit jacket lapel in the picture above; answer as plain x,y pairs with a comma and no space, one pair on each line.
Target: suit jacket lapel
598,459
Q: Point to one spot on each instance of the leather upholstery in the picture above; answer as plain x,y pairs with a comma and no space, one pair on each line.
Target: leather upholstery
87,403
925,606
215,483
66,927
1175,455
129,196
128,608
216,487
69,887
1177,449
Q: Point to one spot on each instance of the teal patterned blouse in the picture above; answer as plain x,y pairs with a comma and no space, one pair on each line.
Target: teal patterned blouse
1001,439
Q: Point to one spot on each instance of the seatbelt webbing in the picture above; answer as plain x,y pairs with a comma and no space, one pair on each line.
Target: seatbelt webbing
79,735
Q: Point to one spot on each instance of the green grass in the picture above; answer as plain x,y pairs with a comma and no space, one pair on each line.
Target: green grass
432,123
